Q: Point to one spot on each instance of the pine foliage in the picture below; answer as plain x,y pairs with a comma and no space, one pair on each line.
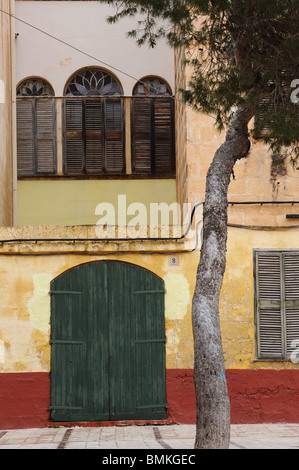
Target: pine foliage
242,53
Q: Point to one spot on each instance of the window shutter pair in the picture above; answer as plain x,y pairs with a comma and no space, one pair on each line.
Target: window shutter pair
152,135
36,136
94,136
277,304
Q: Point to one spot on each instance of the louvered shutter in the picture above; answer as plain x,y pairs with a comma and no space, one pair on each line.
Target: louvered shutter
94,135
153,135
36,136
114,151
269,303
291,278
45,136
163,132
25,136
277,297
141,135
74,148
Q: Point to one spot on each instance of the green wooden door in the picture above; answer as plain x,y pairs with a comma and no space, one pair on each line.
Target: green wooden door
108,344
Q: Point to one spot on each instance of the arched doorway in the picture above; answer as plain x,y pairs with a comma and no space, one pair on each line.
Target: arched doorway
107,343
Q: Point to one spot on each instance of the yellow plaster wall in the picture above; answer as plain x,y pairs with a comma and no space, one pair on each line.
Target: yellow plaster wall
25,303
73,202
255,177
237,295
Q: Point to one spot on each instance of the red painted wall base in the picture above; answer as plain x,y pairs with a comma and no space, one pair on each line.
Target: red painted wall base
263,396
256,396
24,399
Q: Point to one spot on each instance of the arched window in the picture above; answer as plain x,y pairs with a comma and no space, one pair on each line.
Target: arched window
94,124
93,82
36,129
153,150
152,86
34,87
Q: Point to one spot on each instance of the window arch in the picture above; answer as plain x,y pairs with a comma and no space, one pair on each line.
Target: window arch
152,86
93,82
36,128
34,87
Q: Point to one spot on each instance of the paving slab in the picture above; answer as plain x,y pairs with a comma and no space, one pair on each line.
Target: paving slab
247,436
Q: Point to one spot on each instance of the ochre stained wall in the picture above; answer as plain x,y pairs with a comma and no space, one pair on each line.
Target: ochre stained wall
255,178
237,295
74,202
25,299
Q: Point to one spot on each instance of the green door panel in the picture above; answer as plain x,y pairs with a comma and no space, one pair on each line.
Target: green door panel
108,344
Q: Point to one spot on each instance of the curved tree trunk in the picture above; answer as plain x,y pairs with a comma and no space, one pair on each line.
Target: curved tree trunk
213,407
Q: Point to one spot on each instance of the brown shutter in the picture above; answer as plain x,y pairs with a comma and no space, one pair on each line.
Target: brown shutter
114,151
164,149
153,135
141,135
25,136
74,146
45,136
94,135
36,136
94,129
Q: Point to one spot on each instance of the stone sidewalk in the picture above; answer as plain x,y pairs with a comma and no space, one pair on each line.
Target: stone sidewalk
252,436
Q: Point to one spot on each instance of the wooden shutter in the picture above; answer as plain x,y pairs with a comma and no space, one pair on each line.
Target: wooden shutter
25,136
114,148
153,135
45,136
163,132
94,135
141,135
269,315
291,278
36,136
74,147
277,298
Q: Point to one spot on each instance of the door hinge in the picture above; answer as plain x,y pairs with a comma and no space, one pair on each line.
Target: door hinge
65,292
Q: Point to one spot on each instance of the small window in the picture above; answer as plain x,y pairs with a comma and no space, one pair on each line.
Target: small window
277,304
152,86
36,128
34,87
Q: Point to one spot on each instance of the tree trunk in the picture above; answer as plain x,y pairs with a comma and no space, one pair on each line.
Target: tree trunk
212,402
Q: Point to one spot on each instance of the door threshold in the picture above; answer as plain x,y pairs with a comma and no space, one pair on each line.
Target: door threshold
96,424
